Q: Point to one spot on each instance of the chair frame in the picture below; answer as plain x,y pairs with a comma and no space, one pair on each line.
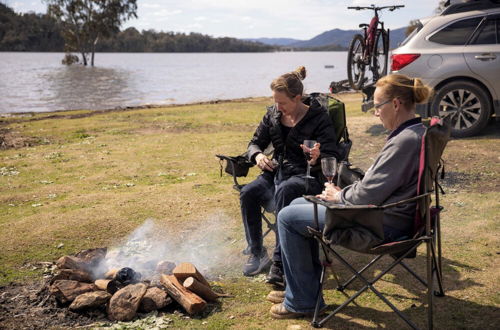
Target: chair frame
429,234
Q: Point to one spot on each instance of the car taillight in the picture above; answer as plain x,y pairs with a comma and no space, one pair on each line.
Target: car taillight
399,61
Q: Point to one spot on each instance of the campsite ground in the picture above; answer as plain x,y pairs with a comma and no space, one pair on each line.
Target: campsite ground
76,180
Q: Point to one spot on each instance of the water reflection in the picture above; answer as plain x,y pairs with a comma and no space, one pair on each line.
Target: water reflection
78,87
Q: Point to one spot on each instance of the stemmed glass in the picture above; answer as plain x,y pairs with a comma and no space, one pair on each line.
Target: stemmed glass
329,168
309,144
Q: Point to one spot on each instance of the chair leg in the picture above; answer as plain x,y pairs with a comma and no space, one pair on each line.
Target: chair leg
405,266
270,225
368,284
315,322
343,286
437,270
429,284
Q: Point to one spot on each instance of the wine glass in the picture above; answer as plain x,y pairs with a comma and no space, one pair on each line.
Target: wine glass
309,144
329,168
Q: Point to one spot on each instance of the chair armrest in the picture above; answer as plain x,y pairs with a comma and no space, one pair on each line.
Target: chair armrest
337,206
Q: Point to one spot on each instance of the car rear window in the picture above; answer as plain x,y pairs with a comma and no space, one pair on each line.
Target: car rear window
417,28
457,33
488,33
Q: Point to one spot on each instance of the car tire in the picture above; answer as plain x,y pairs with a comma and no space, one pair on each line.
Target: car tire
465,104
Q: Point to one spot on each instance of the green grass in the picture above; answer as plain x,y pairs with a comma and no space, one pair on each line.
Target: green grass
91,180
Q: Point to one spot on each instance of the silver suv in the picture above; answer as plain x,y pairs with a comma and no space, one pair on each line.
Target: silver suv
458,54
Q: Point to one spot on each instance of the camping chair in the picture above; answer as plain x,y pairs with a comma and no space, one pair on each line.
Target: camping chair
359,228
238,166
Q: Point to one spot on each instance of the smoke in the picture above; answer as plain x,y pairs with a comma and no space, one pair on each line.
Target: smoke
207,244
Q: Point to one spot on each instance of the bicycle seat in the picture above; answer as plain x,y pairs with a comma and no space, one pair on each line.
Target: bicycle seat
362,25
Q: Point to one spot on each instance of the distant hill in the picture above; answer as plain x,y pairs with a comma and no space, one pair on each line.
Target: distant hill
335,39
275,41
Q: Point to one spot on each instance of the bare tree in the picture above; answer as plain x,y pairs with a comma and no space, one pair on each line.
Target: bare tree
83,22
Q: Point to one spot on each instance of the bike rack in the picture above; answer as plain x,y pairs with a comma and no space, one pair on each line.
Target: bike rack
368,91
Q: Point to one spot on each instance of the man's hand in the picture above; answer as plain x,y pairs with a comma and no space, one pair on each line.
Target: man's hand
331,193
264,163
314,152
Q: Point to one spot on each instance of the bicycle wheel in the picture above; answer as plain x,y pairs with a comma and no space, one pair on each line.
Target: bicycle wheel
355,62
380,55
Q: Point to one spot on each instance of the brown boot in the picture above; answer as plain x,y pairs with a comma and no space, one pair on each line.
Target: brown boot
279,311
276,296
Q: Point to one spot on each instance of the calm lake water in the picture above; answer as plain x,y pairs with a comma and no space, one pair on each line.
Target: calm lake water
39,82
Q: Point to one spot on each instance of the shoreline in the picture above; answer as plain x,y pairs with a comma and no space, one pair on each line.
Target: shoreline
88,112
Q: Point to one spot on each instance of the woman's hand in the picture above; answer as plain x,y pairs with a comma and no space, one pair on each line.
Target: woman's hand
264,163
331,193
314,152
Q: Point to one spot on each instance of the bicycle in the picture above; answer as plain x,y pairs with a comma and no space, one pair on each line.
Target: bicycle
369,50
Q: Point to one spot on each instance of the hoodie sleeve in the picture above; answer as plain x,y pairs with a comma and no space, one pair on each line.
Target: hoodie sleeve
261,138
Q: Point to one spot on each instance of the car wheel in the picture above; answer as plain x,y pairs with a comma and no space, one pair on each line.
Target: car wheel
465,105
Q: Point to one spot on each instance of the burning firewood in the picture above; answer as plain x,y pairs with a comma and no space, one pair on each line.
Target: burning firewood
67,290
187,299
102,284
125,302
165,267
89,300
200,289
185,270
111,273
70,262
72,274
154,298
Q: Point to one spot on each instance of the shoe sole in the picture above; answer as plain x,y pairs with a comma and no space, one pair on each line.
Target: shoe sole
275,300
287,316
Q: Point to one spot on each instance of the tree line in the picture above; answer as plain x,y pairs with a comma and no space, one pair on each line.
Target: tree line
41,32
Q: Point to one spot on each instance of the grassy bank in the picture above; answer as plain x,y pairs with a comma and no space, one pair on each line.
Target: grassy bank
76,180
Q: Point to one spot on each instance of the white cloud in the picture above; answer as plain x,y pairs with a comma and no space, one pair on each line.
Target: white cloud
301,19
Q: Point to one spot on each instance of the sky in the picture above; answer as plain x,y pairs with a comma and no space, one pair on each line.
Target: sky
297,19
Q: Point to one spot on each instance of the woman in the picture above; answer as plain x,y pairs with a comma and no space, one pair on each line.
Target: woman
392,177
285,126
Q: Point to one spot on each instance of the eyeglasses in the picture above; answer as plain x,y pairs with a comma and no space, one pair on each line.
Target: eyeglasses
377,106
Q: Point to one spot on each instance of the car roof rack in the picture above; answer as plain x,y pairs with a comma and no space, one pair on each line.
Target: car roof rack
454,7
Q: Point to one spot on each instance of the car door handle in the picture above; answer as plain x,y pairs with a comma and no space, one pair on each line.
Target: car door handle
485,57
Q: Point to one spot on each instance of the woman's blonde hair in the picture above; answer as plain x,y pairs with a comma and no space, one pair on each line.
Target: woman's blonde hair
290,83
409,90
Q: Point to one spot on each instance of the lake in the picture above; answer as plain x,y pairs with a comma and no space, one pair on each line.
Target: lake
37,82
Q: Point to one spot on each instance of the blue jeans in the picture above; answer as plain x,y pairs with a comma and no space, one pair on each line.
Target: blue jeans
300,254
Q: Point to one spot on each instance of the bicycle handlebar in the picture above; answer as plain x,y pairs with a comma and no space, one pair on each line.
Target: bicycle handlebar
372,7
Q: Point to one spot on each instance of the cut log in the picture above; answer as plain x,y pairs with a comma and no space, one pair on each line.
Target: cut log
200,289
154,299
73,274
185,270
70,262
125,302
67,290
89,300
165,267
111,273
102,284
187,299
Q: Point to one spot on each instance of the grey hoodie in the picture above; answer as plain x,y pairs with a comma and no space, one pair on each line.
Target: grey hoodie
392,177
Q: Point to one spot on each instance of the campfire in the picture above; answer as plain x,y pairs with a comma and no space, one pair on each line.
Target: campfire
83,282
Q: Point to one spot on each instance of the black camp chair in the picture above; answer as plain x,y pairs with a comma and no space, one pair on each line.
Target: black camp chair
343,222
238,166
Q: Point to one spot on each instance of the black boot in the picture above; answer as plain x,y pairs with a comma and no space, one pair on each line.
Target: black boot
276,275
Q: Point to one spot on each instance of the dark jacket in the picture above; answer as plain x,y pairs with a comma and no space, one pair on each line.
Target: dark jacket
315,125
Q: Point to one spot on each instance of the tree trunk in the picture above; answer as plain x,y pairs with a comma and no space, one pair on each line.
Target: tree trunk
84,58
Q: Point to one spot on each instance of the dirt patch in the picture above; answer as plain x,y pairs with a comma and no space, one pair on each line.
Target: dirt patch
10,139
28,306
